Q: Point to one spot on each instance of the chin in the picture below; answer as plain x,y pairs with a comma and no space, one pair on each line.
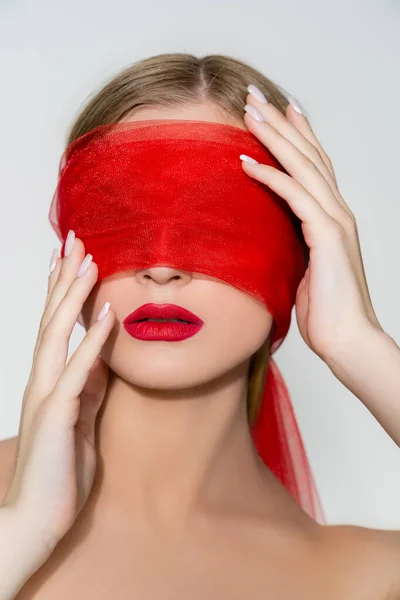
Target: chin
162,375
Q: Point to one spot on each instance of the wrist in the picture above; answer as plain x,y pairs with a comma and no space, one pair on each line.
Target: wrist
20,553
354,346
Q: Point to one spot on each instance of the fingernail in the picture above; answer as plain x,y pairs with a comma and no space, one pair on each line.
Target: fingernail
85,265
103,311
53,260
296,105
253,112
257,93
248,159
69,244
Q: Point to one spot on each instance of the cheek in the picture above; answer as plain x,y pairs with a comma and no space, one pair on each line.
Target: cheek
237,327
247,319
245,332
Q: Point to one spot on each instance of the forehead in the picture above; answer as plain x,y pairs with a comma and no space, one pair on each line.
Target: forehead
193,111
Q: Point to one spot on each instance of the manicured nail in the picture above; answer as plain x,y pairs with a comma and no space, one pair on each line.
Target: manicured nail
296,105
103,311
53,260
84,265
248,159
69,244
253,112
257,93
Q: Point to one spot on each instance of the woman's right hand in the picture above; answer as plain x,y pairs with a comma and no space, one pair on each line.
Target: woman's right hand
56,456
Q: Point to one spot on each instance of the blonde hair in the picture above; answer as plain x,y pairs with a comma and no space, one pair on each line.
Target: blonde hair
178,78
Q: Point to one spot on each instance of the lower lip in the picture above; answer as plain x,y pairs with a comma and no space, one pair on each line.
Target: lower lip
167,331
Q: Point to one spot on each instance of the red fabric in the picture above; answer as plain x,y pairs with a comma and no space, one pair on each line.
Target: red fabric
173,192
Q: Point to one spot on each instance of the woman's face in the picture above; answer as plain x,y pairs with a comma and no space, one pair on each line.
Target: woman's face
235,323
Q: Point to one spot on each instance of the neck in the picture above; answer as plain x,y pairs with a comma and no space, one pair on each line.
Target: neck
165,454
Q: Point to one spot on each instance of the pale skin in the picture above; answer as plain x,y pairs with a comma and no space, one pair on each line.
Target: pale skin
169,498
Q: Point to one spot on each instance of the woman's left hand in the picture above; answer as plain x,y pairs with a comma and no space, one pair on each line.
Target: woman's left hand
333,305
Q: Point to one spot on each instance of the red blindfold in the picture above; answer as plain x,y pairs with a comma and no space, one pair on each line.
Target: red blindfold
173,192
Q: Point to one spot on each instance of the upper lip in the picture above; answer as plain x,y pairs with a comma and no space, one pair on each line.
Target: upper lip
161,311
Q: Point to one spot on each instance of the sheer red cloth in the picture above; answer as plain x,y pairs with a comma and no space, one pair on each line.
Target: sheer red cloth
173,192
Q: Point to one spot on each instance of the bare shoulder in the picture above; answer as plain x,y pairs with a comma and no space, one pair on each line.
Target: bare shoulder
8,450
369,559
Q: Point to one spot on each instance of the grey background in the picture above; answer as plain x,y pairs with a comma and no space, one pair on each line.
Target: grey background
341,61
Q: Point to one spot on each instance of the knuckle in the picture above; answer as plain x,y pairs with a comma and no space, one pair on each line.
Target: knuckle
63,276
44,336
42,410
305,161
349,221
50,332
90,342
64,280
311,167
43,323
47,331
314,154
335,232
82,358
325,157
328,160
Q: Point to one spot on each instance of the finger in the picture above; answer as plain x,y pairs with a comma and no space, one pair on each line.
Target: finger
274,117
53,350
315,220
301,202
51,282
91,399
52,279
58,282
299,166
303,125
50,285
66,275
53,276
309,147
66,394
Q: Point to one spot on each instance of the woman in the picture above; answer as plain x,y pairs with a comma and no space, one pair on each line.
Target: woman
166,497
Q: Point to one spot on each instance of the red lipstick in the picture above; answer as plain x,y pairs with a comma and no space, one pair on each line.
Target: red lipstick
166,322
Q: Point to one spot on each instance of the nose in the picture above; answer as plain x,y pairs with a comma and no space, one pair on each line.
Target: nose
163,275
